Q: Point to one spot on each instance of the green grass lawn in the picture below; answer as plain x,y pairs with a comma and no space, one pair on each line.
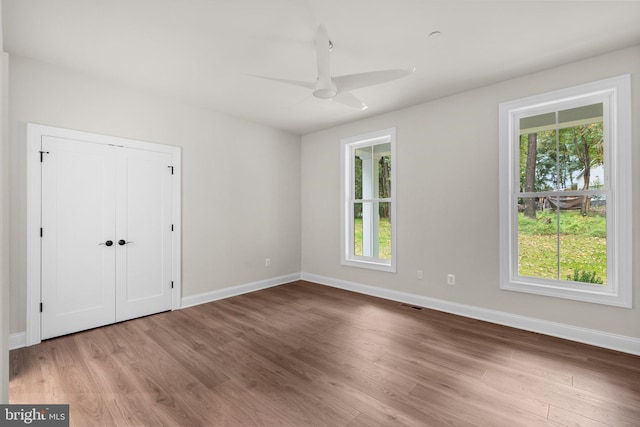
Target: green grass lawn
582,245
384,238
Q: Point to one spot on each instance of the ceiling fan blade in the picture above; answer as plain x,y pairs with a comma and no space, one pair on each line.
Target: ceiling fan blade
306,85
350,100
324,88
360,80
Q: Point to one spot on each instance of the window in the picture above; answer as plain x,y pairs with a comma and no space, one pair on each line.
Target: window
565,194
368,194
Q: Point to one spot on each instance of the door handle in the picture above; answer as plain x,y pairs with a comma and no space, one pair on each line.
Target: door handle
107,243
122,242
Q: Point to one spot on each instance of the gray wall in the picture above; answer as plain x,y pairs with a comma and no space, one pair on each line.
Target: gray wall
251,192
240,180
448,198
4,218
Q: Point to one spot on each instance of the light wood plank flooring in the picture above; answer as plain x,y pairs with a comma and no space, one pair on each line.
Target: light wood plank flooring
303,354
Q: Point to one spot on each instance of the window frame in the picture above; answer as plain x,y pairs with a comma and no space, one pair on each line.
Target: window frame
616,97
347,194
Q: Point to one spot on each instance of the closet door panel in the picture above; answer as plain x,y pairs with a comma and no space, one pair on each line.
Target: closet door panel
78,218
143,252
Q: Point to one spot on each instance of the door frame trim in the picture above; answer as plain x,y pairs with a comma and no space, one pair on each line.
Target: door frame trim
35,132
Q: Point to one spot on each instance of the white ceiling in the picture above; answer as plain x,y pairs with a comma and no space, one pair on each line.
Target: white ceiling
206,52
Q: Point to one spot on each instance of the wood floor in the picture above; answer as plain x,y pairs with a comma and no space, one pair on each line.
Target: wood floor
303,354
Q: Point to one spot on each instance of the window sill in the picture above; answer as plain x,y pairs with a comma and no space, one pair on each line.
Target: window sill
587,294
370,265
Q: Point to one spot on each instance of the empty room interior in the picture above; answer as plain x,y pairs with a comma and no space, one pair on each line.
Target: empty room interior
321,212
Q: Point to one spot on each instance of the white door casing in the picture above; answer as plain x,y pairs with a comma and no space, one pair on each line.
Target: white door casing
144,179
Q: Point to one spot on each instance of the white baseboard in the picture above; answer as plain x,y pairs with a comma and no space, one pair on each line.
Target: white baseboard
238,290
17,340
608,340
574,333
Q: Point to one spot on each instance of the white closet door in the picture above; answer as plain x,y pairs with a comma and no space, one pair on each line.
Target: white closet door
143,228
78,218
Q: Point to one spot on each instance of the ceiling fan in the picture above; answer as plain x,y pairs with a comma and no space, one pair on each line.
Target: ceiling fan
339,88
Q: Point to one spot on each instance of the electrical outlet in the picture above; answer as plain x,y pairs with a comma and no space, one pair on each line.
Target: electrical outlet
267,262
419,274
451,279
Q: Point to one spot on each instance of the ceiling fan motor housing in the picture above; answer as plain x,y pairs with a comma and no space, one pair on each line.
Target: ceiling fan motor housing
325,88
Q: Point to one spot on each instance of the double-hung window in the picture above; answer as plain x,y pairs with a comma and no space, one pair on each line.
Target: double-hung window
368,195
565,193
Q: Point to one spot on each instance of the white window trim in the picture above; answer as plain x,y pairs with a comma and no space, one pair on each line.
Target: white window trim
619,200
346,223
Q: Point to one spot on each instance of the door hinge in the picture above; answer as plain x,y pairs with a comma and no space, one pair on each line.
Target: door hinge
41,232
40,307
171,227
171,167
172,284
42,153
